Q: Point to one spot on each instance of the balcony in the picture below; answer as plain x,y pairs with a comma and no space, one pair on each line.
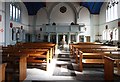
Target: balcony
63,28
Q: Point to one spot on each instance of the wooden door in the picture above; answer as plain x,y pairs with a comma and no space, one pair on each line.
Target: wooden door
87,38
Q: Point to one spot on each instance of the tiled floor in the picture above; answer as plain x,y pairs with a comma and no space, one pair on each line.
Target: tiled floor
90,73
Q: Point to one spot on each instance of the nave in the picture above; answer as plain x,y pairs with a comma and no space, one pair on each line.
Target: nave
45,62
60,72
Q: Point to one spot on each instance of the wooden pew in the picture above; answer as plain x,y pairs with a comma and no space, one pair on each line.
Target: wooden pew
16,63
91,59
41,45
2,72
38,47
82,44
92,48
92,54
109,66
34,54
46,49
16,52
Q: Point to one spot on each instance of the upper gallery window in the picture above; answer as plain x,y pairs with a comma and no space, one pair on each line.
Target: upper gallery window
111,11
15,12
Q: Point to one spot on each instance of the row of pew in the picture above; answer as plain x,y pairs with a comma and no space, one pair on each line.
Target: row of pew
2,71
19,56
91,53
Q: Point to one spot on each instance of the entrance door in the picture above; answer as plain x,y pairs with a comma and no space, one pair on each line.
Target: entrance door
28,37
87,38
45,38
53,38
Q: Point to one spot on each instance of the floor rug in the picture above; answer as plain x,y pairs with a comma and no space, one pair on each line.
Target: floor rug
63,56
64,70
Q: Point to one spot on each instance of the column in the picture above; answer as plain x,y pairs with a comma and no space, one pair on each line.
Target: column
118,33
63,37
48,37
69,38
56,38
34,29
7,26
77,37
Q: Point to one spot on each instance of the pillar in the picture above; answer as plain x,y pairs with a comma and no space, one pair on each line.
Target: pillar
63,37
7,25
48,37
69,38
77,37
56,38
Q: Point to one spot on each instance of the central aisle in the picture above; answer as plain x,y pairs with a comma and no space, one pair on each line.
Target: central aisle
63,65
63,68
60,69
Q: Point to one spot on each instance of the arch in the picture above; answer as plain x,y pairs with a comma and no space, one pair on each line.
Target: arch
79,11
23,5
104,35
85,14
69,4
109,34
40,16
115,34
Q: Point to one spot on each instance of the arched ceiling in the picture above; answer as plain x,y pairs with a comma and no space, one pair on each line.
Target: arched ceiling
33,7
93,7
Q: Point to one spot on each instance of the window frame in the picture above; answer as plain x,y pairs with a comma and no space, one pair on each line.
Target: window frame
15,12
115,34
111,10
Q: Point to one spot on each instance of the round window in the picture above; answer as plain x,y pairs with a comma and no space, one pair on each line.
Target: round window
63,9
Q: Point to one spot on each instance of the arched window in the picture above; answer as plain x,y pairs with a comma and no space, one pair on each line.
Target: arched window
111,11
108,34
15,12
115,34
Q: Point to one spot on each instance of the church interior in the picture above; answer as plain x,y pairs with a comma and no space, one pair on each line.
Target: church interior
54,41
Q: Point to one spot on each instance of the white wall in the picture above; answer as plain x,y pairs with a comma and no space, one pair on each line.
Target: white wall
84,17
24,22
102,20
42,17
119,10
2,22
59,18
62,18
94,30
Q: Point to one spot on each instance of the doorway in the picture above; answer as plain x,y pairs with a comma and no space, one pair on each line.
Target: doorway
81,38
53,38
87,38
73,38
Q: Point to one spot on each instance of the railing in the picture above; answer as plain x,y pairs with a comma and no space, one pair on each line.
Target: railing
63,28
